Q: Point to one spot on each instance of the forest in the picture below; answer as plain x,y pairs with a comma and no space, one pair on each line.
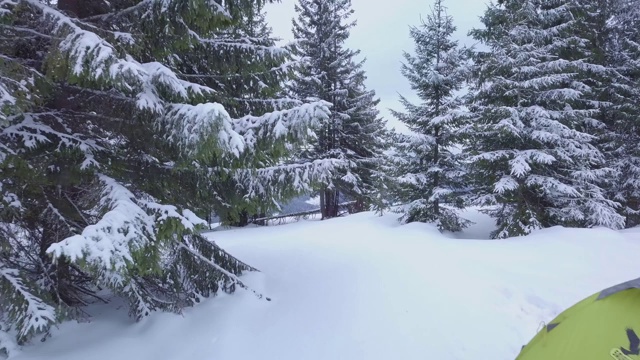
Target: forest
127,125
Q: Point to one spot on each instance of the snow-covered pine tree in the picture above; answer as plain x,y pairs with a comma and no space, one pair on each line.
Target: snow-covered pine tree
107,129
363,138
384,181
328,71
430,173
253,84
535,104
623,91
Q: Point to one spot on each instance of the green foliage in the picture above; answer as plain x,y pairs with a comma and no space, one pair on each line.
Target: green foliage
354,133
117,120
540,108
431,176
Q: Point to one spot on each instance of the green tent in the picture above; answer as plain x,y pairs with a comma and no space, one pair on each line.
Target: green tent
603,326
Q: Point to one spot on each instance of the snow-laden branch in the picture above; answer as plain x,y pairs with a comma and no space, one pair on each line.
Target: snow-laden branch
6,98
128,224
91,57
190,126
154,78
283,68
287,177
32,133
278,124
8,199
187,218
31,314
80,44
230,275
124,228
142,8
158,89
5,151
244,44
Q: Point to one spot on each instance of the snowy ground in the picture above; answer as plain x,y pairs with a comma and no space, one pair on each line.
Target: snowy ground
364,287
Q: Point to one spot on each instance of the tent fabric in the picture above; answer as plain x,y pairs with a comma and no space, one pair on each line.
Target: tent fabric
599,327
631,284
551,326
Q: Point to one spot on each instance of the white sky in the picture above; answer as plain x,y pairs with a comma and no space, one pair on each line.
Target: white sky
382,34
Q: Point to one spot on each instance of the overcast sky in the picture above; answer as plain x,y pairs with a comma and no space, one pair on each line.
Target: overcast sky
382,34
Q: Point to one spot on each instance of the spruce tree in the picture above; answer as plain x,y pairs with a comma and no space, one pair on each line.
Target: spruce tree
623,92
328,71
257,71
113,115
431,175
363,137
535,104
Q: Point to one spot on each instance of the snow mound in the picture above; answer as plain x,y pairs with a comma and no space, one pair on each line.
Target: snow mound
365,287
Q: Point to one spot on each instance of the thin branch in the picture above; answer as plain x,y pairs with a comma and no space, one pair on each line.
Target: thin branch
222,270
31,31
77,209
119,12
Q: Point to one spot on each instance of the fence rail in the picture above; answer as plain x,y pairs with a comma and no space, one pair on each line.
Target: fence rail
345,207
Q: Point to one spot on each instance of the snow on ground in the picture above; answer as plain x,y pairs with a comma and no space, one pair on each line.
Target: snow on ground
314,201
365,287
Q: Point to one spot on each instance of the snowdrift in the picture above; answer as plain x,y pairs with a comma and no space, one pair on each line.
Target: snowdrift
365,287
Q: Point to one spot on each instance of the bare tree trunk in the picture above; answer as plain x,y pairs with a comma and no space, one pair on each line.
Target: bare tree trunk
241,221
330,208
436,132
436,176
323,204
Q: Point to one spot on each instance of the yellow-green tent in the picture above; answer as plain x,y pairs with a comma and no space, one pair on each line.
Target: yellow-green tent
603,326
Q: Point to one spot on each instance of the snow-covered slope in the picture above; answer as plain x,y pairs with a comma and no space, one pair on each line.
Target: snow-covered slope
364,287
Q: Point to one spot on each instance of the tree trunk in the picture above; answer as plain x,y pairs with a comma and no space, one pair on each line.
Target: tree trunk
359,206
436,132
241,221
323,204
330,208
436,176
